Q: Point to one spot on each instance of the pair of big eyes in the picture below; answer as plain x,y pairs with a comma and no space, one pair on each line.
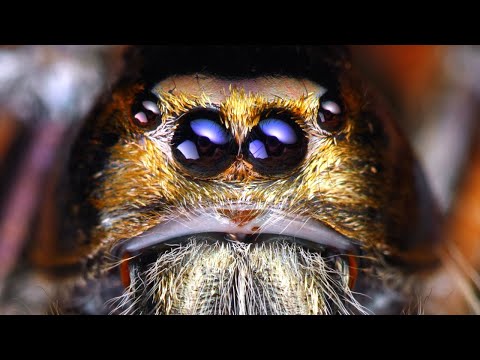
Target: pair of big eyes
205,148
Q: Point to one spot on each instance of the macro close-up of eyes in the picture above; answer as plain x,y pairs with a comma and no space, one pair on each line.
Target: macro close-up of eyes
239,180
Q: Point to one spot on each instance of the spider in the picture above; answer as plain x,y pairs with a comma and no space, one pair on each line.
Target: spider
229,180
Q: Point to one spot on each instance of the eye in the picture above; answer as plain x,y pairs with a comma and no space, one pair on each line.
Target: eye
202,144
330,112
145,111
276,145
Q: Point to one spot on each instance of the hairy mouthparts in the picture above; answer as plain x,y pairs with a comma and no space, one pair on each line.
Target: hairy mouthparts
206,276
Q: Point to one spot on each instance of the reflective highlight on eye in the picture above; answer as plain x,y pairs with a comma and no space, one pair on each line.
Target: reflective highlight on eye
257,149
332,107
279,129
211,130
141,117
189,150
151,106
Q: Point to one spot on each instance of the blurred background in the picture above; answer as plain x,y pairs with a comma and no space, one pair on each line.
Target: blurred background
46,90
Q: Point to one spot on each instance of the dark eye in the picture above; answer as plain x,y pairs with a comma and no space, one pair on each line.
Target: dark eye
276,145
330,112
145,111
202,144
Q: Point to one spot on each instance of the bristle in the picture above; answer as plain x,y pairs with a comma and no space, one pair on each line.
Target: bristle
238,278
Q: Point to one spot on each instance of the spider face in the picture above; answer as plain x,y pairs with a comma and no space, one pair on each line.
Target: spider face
261,194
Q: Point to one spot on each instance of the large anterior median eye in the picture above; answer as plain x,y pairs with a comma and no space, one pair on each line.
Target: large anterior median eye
202,144
276,145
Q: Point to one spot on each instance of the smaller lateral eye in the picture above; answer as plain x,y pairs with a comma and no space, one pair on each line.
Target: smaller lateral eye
145,111
331,112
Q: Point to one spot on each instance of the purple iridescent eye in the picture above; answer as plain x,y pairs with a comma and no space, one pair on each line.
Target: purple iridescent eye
276,145
202,144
